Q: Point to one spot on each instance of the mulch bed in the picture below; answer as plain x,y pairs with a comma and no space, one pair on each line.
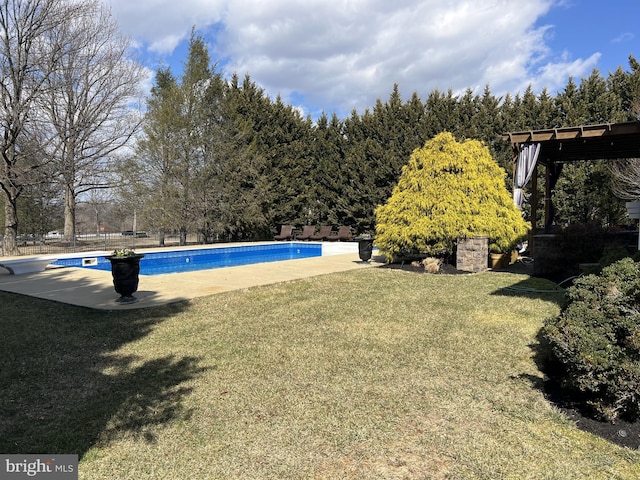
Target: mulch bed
622,432
411,267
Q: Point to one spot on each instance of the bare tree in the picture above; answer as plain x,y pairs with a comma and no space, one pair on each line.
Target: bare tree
98,202
30,48
92,105
626,178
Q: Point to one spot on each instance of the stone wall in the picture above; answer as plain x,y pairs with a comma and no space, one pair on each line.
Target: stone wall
548,258
472,254
561,254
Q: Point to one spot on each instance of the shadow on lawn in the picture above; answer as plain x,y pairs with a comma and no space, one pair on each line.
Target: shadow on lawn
534,288
64,387
550,289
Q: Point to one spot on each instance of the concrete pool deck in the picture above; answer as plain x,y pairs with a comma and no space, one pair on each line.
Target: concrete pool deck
94,288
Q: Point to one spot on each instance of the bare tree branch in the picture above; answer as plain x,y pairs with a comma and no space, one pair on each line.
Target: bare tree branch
29,53
92,104
626,175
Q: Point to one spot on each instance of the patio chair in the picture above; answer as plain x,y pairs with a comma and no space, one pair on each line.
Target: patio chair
323,234
286,233
343,235
307,231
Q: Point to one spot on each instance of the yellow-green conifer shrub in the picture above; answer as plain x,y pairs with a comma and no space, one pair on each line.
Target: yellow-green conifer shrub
448,190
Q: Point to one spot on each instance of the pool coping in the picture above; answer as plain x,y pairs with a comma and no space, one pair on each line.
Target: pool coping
94,288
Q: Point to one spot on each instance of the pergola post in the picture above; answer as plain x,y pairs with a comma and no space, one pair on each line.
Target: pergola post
534,208
547,196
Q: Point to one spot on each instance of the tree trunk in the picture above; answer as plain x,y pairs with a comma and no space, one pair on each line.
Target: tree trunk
69,215
11,226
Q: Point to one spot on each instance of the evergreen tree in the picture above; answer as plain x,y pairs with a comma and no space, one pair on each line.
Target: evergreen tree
467,108
531,111
631,101
441,113
598,102
241,166
619,85
361,191
448,190
328,171
584,191
568,106
546,111
626,87
415,121
488,123
149,186
288,148
198,111
584,194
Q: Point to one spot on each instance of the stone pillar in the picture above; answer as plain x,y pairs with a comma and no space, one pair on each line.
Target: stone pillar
472,254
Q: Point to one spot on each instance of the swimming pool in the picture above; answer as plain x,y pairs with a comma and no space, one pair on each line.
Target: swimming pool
175,261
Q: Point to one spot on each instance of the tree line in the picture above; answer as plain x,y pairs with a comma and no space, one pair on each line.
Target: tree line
220,157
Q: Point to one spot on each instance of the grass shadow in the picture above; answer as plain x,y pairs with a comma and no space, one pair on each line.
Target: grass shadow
66,389
535,288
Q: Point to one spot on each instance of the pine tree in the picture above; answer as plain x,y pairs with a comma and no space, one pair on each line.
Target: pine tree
568,106
361,192
149,186
198,111
241,180
287,146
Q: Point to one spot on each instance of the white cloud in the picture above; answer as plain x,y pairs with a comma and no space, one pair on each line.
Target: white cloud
160,25
343,54
623,38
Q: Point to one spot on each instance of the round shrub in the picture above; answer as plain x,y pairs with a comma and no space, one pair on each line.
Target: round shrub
596,340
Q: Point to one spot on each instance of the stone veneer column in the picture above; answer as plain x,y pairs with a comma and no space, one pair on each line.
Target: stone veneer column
547,255
472,254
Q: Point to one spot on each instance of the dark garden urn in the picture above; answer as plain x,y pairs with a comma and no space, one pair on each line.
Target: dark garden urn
125,271
365,248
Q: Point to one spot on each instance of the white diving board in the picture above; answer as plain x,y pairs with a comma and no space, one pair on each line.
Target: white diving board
31,264
17,266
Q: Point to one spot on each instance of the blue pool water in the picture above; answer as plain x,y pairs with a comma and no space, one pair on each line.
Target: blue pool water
156,263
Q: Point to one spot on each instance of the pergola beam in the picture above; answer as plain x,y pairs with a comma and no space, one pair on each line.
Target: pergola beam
586,142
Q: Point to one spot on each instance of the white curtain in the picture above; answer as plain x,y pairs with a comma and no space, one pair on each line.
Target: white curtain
527,158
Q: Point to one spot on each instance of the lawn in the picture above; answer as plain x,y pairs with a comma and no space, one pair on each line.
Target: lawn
373,373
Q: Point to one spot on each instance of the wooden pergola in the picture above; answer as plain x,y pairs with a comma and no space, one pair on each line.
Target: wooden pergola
607,141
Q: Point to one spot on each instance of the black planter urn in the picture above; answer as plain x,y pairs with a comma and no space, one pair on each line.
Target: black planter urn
125,271
365,248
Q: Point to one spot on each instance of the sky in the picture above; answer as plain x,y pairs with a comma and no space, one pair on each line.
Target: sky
335,56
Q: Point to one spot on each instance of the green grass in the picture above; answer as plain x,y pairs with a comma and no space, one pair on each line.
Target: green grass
374,373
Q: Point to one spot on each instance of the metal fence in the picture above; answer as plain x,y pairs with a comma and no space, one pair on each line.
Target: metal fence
31,245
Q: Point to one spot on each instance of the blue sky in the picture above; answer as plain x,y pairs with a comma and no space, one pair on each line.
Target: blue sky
340,55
